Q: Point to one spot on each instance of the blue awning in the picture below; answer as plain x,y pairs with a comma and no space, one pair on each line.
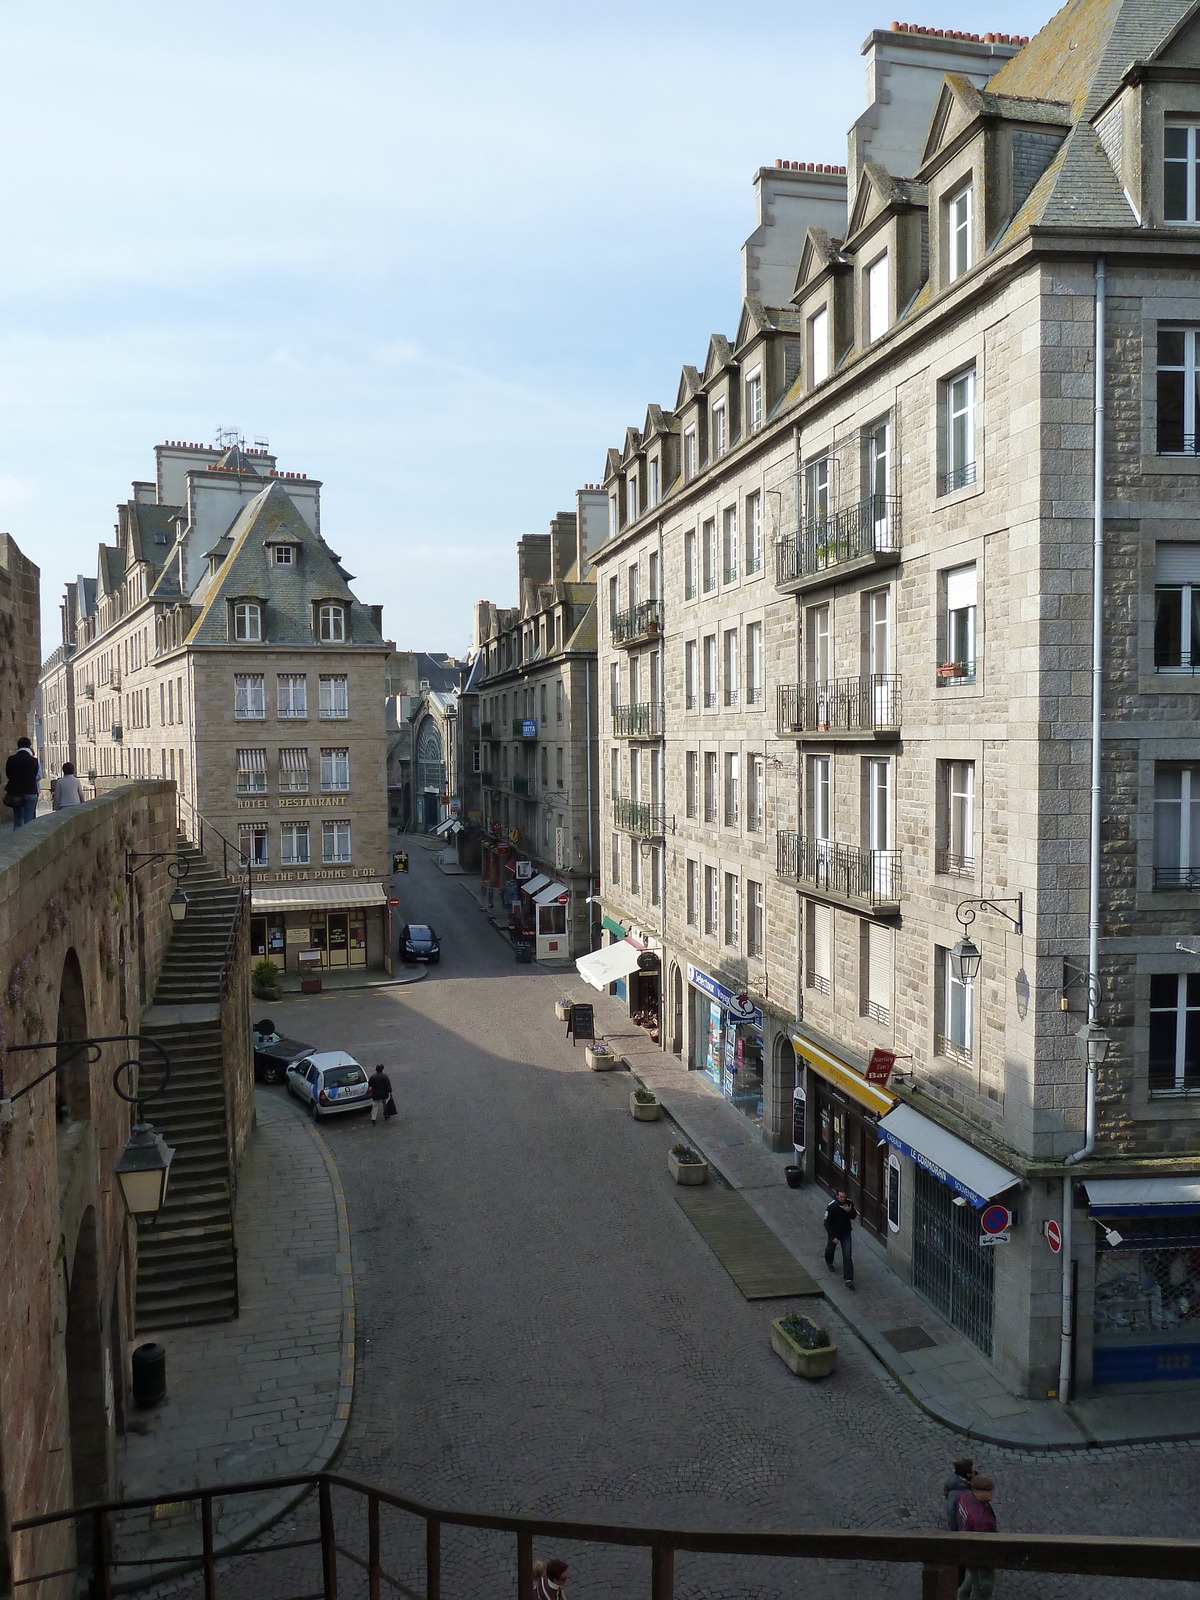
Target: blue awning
945,1156
1143,1197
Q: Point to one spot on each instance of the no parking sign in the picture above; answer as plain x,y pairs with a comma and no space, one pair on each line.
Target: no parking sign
995,1222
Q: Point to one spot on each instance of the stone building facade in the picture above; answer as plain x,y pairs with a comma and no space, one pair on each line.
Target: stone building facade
845,641
537,704
20,643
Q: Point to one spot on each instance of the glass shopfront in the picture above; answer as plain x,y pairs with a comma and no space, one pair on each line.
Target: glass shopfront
848,1152
727,1042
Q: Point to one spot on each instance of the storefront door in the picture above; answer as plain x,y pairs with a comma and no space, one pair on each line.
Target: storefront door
848,1154
1147,1316
258,936
339,939
950,1267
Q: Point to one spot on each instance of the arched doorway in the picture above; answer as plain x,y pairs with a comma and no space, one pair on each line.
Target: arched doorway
73,1078
785,1077
430,774
87,1389
676,1010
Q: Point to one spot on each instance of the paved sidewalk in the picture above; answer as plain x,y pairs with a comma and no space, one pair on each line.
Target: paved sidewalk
349,978
952,1381
268,1394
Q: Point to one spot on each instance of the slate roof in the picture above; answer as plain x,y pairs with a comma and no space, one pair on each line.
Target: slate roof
585,636
290,591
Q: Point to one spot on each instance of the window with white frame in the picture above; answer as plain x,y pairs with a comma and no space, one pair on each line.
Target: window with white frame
1176,827
819,813
960,432
335,699
1181,166
710,555
710,901
729,522
818,941
959,212
710,669
631,579
656,865
252,842
293,844
818,347
689,674
652,470
693,875
730,666
817,486
614,685
754,533
733,929
615,773
616,858
544,697
756,798
754,401
689,564
614,600
331,624
559,769
710,786
1177,608
958,848
293,771
755,945
961,598
957,1039
720,430
818,654
247,621
249,697
1174,1056
558,700
691,782
876,989
635,869
731,789
690,461
335,842
877,299
335,771
285,555
631,496
754,663
1178,390
613,518
252,772
655,590
293,694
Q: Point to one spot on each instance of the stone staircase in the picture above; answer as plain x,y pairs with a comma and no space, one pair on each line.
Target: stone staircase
187,1261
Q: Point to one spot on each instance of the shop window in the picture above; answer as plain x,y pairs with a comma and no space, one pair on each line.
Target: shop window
893,1192
1174,1062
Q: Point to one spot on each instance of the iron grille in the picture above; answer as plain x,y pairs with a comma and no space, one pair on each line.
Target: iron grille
953,861
640,622
956,478
643,721
870,877
867,704
952,1051
638,816
1177,877
872,527
954,1272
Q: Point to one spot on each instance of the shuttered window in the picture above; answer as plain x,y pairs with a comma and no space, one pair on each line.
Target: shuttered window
820,946
879,972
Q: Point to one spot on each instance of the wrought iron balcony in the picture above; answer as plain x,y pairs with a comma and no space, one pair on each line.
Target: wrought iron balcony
955,863
638,816
520,785
640,622
862,879
865,707
863,535
644,721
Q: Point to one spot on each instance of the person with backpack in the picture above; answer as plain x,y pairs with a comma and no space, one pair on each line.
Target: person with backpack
839,1214
975,1515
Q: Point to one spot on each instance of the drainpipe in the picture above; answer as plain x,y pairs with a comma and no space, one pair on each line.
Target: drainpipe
587,731
1093,977
796,479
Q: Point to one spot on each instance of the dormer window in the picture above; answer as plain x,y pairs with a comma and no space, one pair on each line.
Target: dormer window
652,498
754,408
818,346
877,299
612,516
1181,157
689,454
247,621
631,497
962,252
285,555
331,624
720,430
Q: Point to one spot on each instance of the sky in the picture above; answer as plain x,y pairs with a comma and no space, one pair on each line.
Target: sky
440,256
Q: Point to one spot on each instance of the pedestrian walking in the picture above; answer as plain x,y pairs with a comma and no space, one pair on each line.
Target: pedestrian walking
68,791
548,1579
975,1515
381,1092
21,775
839,1214
956,1484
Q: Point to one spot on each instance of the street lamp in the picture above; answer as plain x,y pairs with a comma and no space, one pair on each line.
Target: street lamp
966,958
1094,1044
177,868
177,905
142,1170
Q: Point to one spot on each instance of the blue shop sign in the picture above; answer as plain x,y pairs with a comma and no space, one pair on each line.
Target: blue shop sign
739,1008
529,728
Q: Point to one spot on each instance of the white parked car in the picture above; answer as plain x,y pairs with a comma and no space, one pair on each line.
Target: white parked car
329,1081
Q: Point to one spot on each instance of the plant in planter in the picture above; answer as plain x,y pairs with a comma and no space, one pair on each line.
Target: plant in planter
562,1007
601,1057
644,1106
263,978
803,1345
686,1166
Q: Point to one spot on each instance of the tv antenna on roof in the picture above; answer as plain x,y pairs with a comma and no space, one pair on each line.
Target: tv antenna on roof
228,438
262,444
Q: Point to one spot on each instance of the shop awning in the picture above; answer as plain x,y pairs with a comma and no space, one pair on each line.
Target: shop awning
552,894
316,896
444,828
606,966
535,885
1143,1197
841,1074
949,1159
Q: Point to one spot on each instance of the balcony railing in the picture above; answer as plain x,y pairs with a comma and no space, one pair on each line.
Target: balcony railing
955,863
644,721
1177,877
955,674
956,478
961,1053
871,878
869,705
689,591
638,816
520,785
1172,441
640,622
861,532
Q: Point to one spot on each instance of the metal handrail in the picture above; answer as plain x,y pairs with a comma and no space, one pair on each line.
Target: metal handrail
640,817
872,877
870,527
938,1554
639,622
867,704
641,721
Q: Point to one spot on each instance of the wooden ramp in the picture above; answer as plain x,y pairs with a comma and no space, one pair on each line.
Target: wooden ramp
761,1266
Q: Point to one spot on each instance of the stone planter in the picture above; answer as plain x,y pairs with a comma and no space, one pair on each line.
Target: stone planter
266,994
562,1009
687,1172
643,1110
601,1060
811,1364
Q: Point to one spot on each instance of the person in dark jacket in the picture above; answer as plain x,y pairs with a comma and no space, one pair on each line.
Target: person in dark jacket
839,1214
975,1515
21,782
548,1580
381,1091
957,1483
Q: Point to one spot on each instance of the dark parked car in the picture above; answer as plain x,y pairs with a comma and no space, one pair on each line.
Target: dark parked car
419,943
273,1054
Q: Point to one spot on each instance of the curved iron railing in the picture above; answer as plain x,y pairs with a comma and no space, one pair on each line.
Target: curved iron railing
872,527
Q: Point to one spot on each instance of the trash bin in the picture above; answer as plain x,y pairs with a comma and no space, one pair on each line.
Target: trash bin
149,1374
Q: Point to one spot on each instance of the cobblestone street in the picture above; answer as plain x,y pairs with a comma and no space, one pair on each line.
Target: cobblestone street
541,1329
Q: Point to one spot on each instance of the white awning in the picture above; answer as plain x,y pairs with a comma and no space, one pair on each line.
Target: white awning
1143,1197
444,827
252,760
551,895
315,896
535,885
946,1157
606,966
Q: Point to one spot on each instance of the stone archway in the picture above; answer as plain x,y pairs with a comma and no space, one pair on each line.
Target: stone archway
73,1078
676,1010
87,1397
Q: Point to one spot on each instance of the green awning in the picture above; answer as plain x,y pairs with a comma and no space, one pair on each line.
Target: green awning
613,926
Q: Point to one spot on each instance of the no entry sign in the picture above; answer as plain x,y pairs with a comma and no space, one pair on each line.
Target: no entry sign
1054,1236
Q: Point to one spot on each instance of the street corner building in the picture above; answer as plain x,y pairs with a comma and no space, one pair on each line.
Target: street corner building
533,700
853,698
220,645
